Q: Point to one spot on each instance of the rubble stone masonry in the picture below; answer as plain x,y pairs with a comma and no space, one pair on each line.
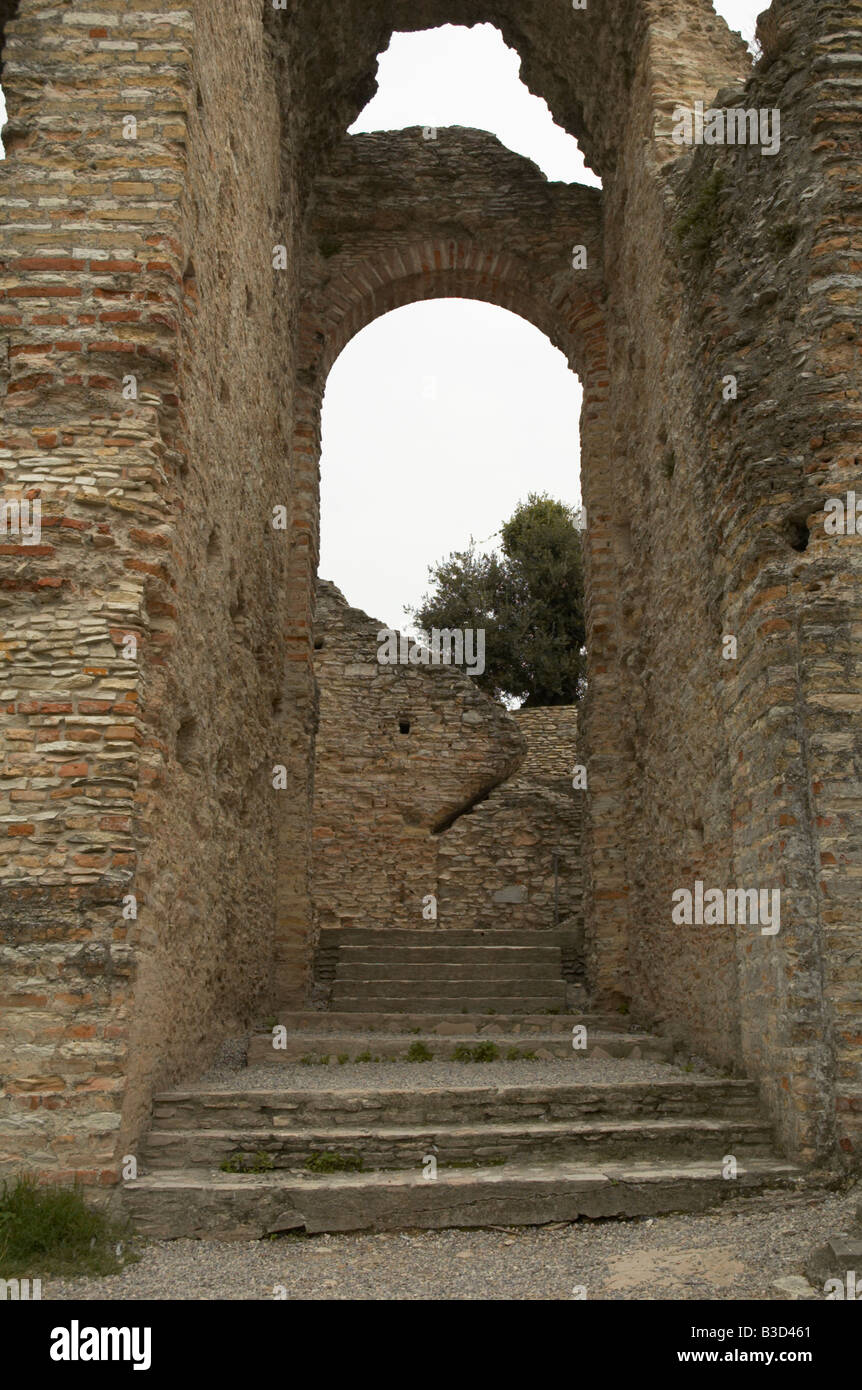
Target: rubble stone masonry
141,778
401,751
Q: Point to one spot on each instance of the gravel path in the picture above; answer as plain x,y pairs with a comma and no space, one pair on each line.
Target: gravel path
735,1252
288,1076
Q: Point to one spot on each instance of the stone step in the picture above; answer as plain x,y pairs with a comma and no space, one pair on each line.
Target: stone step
448,1003
353,1044
460,955
397,1147
269,1109
448,1023
399,937
441,971
421,987
225,1206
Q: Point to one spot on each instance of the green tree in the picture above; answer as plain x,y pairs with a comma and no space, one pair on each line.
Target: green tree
529,599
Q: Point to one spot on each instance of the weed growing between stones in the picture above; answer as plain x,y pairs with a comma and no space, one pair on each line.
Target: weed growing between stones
785,235
333,1162
483,1052
474,1163
260,1162
51,1230
697,230
418,1052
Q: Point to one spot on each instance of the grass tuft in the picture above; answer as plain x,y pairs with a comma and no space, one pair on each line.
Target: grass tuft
52,1230
331,1162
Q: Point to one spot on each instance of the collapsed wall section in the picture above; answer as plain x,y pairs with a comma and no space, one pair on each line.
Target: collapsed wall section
400,751
516,859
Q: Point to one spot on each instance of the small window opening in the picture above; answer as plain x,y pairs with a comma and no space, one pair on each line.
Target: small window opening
187,741
403,726
797,533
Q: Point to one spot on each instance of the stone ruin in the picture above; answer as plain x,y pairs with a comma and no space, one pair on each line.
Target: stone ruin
425,789
190,239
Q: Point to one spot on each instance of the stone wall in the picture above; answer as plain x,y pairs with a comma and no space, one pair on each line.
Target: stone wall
425,787
138,817
516,859
748,770
697,768
400,752
148,772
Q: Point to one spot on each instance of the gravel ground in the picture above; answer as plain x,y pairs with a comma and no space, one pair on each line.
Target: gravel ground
289,1076
735,1252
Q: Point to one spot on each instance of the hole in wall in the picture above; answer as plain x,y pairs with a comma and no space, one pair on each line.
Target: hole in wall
403,726
796,532
214,544
427,78
199,98
237,605
319,644
249,300
190,280
187,741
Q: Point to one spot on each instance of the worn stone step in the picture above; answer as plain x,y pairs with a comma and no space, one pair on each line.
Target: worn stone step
398,937
420,988
449,1004
460,955
470,1103
353,1045
224,1206
439,972
428,1023
392,1146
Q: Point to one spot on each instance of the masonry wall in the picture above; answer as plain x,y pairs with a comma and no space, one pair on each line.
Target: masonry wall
400,751
138,816
772,296
150,774
700,769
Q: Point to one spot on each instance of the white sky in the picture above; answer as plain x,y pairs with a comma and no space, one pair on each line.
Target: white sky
406,479
441,416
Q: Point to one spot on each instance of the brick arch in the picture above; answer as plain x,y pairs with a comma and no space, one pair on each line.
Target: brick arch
444,268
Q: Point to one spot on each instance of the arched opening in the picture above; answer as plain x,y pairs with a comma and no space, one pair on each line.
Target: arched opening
391,227
438,418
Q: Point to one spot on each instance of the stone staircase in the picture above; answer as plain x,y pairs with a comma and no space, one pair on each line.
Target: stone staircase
452,972
616,1131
